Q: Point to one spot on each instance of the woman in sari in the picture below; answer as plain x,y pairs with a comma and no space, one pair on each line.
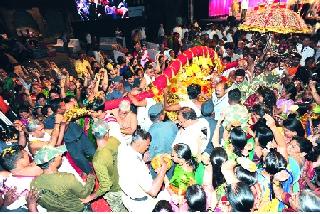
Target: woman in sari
184,172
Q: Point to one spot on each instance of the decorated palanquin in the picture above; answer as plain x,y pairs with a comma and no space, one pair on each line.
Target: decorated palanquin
274,18
200,65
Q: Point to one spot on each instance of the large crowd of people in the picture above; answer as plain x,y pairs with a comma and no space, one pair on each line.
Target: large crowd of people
250,146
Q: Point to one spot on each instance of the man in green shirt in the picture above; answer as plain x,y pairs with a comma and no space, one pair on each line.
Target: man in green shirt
105,165
59,191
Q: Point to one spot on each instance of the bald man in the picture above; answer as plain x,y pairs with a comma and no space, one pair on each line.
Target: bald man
220,99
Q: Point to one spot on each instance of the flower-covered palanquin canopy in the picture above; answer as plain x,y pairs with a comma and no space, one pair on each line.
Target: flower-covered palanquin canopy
275,18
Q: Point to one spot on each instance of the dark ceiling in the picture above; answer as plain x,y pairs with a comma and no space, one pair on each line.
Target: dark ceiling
36,3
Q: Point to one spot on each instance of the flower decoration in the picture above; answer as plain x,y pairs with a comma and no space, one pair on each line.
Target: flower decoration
156,161
75,113
276,19
195,65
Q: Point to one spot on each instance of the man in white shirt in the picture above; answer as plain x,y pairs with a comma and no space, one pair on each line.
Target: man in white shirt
219,33
228,46
244,8
212,31
143,107
161,33
220,99
135,180
194,132
149,75
178,29
305,50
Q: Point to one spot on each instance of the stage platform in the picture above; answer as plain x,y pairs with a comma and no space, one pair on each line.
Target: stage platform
217,20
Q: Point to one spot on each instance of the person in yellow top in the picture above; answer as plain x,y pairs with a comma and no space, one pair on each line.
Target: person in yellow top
83,67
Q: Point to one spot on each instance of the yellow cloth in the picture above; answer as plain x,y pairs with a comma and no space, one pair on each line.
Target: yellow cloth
235,7
82,67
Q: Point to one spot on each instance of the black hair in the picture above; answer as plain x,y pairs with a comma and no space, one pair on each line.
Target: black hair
55,90
246,176
45,110
228,45
115,65
156,117
127,75
141,134
303,74
196,198
291,89
314,155
188,113
315,122
163,205
227,58
269,98
305,146
193,91
24,108
240,197
68,98
238,140
240,72
41,95
96,105
136,71
184,152
274,163
55,105
263,134
272,59
234,95
148,65
309,59
120,60
294,125
259,109
8,159
217,158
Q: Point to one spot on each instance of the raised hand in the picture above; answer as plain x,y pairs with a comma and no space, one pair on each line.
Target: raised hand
10,196
32,198
270,122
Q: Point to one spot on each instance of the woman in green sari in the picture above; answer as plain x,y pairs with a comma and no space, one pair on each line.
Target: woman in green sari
183,176
184,172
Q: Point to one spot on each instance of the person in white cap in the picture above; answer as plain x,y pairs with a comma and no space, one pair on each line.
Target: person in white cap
104,164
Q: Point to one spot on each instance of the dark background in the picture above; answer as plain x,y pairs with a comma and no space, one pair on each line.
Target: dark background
61,16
